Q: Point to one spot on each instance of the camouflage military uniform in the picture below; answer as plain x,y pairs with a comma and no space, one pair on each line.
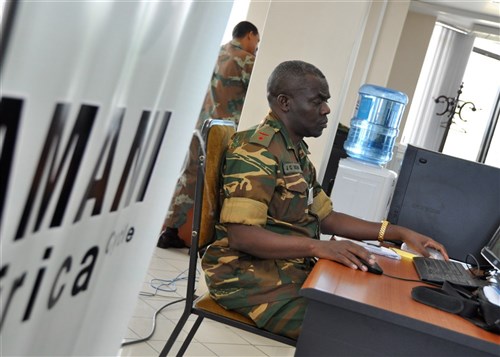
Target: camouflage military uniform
267,182
224,100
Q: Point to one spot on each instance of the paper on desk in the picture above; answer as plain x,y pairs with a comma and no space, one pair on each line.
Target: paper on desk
379,250
405,254
386,252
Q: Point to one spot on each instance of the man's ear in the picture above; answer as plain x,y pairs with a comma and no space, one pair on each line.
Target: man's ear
283,102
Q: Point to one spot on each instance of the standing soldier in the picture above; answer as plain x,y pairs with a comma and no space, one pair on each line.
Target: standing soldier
224,100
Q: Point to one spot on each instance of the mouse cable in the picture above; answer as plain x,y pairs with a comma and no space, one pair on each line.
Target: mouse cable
411,280
127,343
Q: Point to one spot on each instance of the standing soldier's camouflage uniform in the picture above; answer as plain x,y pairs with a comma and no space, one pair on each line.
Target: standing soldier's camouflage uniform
224,100
267,181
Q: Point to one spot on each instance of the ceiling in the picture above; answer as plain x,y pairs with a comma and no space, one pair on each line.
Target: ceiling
482,17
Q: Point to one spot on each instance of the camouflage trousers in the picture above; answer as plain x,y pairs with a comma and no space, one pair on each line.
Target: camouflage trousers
287,321
183,198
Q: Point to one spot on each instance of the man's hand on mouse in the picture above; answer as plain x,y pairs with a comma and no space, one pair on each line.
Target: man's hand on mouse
418,242
347,253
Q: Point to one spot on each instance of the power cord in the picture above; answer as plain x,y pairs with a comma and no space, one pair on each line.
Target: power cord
167,285
159,285
127,343
479,272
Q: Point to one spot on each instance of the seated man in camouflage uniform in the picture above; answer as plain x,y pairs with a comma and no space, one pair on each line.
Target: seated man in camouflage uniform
274,210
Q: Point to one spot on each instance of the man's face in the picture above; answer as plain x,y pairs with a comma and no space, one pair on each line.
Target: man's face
308,107
253,42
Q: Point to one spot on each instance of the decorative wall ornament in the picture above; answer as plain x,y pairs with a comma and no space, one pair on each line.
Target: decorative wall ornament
454,107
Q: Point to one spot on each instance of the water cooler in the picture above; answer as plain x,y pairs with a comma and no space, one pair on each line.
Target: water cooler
363,187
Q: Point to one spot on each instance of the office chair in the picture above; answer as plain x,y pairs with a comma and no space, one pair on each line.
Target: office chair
215,137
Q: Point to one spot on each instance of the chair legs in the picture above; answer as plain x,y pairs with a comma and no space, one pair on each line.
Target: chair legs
190,336
177,330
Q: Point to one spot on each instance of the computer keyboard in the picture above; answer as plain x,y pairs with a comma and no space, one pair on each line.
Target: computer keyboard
438,271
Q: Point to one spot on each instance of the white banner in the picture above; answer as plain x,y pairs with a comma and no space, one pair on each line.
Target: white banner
98,104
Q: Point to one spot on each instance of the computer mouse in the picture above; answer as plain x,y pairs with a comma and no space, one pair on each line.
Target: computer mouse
433,253
374,268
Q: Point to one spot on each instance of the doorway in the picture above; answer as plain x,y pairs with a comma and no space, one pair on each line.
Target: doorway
474,134
456,57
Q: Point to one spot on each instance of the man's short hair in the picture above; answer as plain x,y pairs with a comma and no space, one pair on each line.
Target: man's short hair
243,28
287,71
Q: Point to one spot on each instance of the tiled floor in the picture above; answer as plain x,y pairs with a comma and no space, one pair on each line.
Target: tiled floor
211,339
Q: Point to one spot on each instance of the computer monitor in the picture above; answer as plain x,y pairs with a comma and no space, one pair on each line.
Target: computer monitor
491,251
454,201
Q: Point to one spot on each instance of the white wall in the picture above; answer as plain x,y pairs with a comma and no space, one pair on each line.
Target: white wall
410,57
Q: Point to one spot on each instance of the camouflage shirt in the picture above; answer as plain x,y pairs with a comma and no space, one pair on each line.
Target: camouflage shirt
267,182
229,83
223,100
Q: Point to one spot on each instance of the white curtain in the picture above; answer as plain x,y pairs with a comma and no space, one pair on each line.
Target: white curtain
441,74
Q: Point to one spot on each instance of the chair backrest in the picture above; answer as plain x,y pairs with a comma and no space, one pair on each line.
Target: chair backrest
214,139
216,135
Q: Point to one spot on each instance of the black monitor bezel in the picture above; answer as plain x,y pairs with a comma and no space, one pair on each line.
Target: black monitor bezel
468,201
488,252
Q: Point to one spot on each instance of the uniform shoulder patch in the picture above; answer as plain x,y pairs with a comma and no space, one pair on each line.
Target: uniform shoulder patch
263,136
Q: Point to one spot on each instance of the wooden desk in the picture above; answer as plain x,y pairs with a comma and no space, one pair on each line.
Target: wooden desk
351,312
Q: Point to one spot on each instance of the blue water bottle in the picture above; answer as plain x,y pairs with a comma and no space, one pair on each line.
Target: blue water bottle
375,124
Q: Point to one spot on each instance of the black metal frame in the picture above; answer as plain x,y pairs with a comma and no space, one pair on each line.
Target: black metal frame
193,258
454,106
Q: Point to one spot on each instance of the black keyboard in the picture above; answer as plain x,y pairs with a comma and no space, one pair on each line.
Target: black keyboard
438,271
